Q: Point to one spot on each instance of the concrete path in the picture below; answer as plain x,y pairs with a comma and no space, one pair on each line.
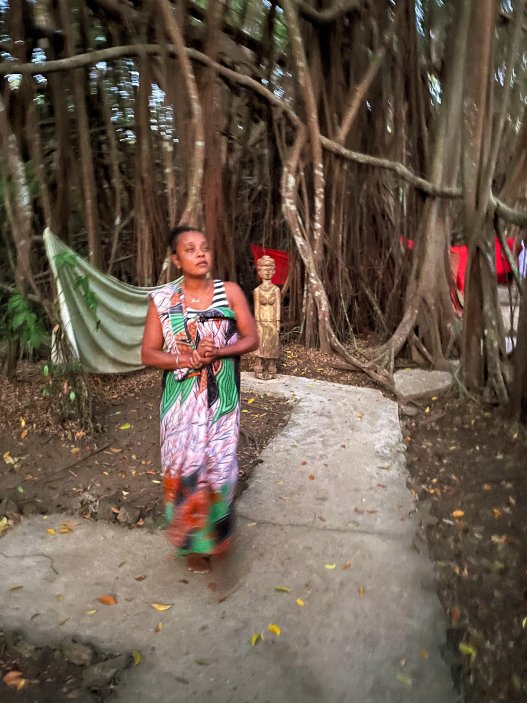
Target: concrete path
330,491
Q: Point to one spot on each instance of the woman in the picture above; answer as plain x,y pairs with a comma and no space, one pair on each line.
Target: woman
195,330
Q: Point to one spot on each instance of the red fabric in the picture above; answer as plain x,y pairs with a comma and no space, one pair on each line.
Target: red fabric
459,259
281,260
502,265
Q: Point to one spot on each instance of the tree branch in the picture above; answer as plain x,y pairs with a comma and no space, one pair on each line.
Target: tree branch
329,14
507,213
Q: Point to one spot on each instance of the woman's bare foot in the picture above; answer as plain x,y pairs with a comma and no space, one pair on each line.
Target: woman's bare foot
198,563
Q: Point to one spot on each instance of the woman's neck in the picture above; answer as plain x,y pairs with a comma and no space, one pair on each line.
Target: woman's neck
196,285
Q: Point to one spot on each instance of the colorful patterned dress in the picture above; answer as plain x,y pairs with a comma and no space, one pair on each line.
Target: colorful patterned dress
200,420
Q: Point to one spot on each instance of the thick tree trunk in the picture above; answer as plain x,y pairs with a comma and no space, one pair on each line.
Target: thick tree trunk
193,207
485,361
428,301
214,120
316,232
89,189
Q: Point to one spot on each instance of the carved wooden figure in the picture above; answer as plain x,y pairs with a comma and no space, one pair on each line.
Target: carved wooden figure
267,315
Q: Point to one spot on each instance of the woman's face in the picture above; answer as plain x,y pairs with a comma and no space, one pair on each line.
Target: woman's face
192,254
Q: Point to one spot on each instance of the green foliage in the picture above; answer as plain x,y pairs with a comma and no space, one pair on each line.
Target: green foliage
19,322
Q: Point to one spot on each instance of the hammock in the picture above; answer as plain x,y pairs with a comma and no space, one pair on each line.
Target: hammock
102,317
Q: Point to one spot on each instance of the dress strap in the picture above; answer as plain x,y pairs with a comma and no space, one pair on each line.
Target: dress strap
219,297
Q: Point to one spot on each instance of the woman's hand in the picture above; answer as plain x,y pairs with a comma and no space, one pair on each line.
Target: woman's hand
207,349
197,359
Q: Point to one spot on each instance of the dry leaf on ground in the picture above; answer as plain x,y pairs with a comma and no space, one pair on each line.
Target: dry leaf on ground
107,599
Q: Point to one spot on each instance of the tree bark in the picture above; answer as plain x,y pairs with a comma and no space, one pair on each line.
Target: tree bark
193,207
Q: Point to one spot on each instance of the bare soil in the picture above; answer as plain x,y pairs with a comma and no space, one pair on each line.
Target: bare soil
468,466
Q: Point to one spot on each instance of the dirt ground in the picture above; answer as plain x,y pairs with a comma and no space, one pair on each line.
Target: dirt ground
467,467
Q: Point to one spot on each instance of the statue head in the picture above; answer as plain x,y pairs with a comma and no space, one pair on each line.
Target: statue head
265,267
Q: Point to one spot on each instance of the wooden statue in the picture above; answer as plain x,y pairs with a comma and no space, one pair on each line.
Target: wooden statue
267,316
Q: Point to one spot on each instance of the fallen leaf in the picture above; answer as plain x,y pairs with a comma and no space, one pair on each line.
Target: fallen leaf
64,529
136,657
467,649
158,627
362,591
139,578
24,433
524,623
202,662
300,602
424,654
125,426
14,679
274,629
497,513
251,524
457,514
250,401
499,539
311,477
155,481
74,450
160,607
15,588
329,566
116,450
51,531
8,458
256,638
346,565
107,599
92,611
403,678
282,589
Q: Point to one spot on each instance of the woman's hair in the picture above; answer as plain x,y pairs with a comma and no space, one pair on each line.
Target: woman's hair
174,234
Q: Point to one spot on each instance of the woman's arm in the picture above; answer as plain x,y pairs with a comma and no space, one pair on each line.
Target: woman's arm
245,324
152,353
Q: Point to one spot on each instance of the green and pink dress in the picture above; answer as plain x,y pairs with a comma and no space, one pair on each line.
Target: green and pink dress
200,421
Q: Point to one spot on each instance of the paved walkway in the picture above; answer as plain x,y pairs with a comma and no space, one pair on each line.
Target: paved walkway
326,515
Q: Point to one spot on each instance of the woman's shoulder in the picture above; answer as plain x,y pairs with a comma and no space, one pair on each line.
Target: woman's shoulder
232,290
162,297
